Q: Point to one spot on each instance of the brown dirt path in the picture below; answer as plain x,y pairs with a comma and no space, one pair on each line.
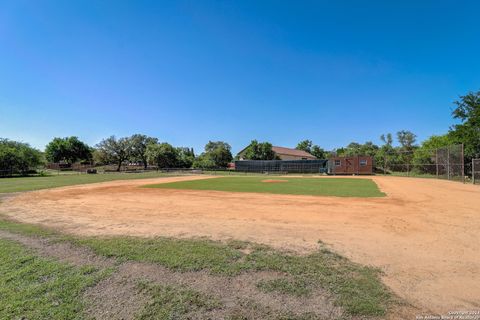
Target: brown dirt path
424,234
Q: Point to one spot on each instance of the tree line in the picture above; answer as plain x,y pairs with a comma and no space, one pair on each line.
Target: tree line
21,158
144,150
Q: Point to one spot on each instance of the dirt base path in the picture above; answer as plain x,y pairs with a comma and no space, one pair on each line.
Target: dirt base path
424,234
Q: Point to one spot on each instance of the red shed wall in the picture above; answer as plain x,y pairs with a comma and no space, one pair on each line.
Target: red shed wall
352,165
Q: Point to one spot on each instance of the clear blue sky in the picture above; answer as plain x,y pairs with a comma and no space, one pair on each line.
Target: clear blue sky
192,71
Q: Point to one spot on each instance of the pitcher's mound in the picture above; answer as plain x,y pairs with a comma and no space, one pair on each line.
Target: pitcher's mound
274,181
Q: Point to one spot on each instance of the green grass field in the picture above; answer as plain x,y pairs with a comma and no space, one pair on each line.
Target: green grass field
35,183
32,287
338,187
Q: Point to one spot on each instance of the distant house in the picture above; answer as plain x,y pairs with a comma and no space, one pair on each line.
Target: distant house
286,154
292,154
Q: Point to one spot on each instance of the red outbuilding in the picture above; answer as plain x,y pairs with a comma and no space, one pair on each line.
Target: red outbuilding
350,165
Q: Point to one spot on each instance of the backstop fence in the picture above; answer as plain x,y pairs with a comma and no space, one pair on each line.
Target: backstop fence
443,163
476,171
282,166
79,167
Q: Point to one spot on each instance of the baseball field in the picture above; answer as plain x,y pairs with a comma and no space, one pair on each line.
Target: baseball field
246,247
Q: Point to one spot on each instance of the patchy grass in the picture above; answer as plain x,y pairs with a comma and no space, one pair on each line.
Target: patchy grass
339,187
44,182
293,286
250,309
177,302
358,289
168,302
178,255
38,288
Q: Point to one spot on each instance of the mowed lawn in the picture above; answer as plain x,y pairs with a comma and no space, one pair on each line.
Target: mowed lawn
338,187
36,183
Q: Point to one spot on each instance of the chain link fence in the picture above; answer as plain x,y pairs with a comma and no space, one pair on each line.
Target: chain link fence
282,166
475,171
442,163
16,173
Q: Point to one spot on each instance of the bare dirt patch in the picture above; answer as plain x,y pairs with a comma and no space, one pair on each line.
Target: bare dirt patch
423,235
274,181
233,290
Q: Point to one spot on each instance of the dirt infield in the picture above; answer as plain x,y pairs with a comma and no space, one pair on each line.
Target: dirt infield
424,234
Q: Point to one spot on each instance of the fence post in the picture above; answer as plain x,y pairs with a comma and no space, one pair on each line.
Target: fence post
436,160
448,163
463,164
385,165
473,171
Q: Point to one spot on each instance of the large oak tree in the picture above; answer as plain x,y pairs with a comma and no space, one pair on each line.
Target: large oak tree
113,150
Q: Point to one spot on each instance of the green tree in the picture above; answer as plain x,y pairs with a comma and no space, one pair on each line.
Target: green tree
219,152
424,157
113,150
305,145
407,140
163,155
18,157
9,157
386,154
313,149
259,151
387,140
186,157
468,131
354,149
68,149
368,149
318,152
203,162
139,144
